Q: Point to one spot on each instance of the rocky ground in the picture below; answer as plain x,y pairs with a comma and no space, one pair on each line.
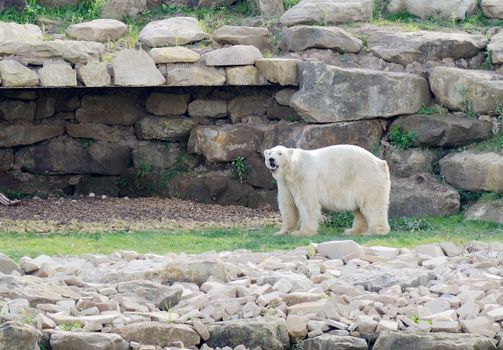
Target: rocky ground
333,295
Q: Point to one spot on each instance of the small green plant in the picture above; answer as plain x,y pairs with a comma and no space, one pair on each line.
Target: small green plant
428,110
364,37
69,326
402,139
86,143
143,170
467,103
499,111
339,219
288,4
167,146
410,224
121,182
240,169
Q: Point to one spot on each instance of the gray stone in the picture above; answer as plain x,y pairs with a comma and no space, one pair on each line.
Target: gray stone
284,96
328,341
14,74
208,108
267,333
160,334
423,46
94,74
136,68
473,171
54,74
340,249
421,195
237,55
225,143
241,35
243,106
405,163
101,30
165,128
167,104
10,31
480,325
244,75
174,31
496,47
279,70
194,271
270,8
87,341
435,341
45,107
158,155
195,76
457,9
101,132
444,130
16,335
109,109
328,12
38,52
19,134
462,89
15,110
163,297
485,210
7,265
301,38
492,8
332,94
119,9
177,54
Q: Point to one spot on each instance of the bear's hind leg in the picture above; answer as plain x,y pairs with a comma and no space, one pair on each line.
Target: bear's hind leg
377,221
360,224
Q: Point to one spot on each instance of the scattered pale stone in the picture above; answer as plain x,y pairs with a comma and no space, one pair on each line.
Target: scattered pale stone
297,326
94,74
496,314
201,328
7,265
430,250
14,74
160,334
10,31
177,54
445,326
174,31
84,340
16,335
136,68
54,74
329,341
340,249
386,325
101,30
480,325
450,249
279,70
241,35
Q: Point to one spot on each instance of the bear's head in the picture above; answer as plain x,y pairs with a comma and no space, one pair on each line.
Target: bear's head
276,158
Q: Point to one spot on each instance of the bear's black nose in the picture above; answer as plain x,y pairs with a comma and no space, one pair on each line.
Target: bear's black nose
271,160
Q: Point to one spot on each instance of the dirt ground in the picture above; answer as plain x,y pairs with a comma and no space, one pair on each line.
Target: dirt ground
117,214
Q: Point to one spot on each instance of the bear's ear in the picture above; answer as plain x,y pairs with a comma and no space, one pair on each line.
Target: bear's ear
266,152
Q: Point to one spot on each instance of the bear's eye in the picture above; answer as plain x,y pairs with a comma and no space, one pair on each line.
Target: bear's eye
279,153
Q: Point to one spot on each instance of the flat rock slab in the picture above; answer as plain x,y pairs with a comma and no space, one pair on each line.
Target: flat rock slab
173,31
14,74
20,134
237,55
301,38
443,129
165,128
38,52
328,341
56,74
456,88
422,195
17,335
241,35
486,210
283,71
328,11
457,9
101,30
330,94
405,163
94,74
195,76
496,48
110,110
160,334
87,340
473,171
177,54
244,75
423,46
10,31
136,68
492,8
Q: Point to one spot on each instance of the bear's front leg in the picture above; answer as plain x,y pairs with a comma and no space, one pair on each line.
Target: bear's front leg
287,209
309,213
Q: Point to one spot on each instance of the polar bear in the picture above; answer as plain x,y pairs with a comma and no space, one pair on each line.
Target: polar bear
340,177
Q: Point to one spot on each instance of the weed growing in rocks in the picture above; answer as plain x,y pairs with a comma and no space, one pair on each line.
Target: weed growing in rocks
428,110
402,139
86,143
240,169
143,170
339,219
290,3
467,103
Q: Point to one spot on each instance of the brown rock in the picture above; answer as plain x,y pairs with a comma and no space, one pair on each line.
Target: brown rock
25,134
167,104
111,110
164,128
243,106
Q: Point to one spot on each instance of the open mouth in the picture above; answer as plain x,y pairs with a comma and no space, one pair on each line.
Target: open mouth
273,167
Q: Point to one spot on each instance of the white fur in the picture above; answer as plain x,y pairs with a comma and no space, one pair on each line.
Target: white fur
341,177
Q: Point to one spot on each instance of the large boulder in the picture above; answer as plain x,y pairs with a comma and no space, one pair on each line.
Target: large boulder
136,68
38,52
496,48
173,31
391,340
467,90
17,335
20,134
301,38
14,74
422,195
473,171
364,133
165,128
331,94
87,341
408,162
492,8
195,76
65,155
10,31
486,210
267,333
424,46
160,334
225,143
101,30
57,74
457,9
328,12
444,130
119,9
109,109
237,55
241,35
328,342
